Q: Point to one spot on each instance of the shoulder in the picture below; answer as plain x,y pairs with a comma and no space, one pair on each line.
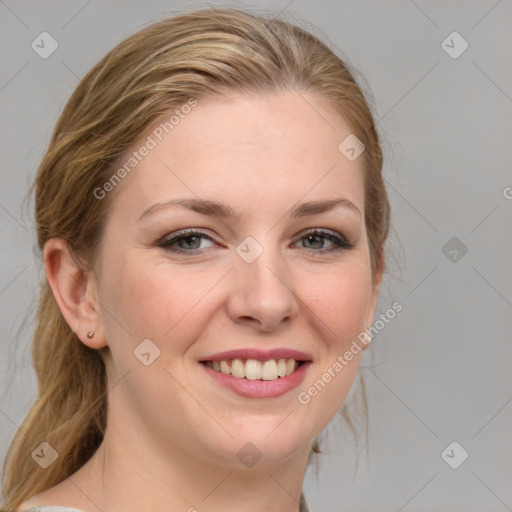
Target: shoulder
43,501
51,508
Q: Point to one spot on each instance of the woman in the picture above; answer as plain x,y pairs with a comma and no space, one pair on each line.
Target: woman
212,216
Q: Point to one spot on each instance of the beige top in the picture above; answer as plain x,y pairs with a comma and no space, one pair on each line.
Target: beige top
303,507
52,508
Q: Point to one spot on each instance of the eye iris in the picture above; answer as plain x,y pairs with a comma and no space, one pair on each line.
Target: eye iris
196,242
318,242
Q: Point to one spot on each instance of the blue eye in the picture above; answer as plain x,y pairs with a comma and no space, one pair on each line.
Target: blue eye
317,237
189,242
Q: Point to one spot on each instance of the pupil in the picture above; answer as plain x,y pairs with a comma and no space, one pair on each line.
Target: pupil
313,237
186,239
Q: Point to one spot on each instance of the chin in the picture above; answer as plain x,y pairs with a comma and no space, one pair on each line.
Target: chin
266,444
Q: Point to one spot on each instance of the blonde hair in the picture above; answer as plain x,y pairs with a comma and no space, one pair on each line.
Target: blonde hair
203,53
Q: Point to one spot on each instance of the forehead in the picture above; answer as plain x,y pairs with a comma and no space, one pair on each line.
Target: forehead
247,150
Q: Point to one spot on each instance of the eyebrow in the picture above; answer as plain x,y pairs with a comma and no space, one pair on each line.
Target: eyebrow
213,208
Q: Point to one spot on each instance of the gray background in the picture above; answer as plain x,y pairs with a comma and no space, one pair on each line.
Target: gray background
442,367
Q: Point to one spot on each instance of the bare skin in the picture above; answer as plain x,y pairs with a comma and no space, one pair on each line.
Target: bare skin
173,433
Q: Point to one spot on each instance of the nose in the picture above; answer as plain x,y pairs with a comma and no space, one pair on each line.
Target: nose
262,293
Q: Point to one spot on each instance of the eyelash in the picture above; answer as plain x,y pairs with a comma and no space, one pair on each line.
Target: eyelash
340,242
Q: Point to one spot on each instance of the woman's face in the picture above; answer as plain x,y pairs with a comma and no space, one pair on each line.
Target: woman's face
257,281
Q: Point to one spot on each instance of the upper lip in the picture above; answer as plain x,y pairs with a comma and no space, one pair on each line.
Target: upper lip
259,355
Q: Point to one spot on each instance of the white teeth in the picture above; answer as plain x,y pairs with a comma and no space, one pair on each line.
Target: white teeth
238,368
224,368
269,370
290,366
281,367
253,369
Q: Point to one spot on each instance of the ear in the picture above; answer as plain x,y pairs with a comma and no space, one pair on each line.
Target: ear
75,291
376,282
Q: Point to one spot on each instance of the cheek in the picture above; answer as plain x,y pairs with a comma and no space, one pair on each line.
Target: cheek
156,301
340,301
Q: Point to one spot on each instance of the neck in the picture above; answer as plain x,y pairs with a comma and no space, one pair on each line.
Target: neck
130,475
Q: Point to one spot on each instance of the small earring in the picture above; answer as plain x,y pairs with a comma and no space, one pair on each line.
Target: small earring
90,334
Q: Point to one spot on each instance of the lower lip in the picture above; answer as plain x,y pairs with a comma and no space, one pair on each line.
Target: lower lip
260,388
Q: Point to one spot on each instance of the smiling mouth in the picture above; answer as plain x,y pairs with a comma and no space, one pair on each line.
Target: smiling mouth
252,369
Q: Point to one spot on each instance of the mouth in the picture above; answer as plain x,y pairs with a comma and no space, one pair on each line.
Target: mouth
254,369
257,374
